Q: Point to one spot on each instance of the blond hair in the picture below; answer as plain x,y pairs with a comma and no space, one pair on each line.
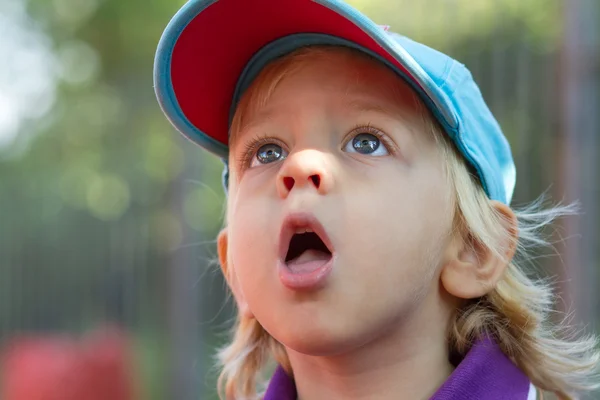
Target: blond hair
516,312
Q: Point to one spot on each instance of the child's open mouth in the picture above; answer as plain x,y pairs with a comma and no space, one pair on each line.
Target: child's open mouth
304,248
305,253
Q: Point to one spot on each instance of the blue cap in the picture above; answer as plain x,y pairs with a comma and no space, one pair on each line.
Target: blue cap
212,50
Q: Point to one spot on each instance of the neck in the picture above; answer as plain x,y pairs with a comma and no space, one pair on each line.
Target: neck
411,364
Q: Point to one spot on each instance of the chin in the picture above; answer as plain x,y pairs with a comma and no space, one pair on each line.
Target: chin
318,340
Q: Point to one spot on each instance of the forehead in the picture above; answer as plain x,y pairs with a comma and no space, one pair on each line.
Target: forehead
354,79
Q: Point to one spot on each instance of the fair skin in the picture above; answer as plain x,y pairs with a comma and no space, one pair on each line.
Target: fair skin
377,328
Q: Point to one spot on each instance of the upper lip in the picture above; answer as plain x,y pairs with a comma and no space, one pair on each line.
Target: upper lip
293,222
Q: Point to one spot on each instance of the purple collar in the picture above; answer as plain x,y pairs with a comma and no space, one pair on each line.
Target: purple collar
484,374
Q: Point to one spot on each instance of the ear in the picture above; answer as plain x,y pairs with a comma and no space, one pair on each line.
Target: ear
472,270
230,276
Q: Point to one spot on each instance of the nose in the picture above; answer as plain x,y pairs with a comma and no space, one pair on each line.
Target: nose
302,170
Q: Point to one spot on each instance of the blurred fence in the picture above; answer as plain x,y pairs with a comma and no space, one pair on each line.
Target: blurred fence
108,217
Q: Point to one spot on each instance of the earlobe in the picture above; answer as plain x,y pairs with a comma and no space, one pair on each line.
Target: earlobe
229,274
473,270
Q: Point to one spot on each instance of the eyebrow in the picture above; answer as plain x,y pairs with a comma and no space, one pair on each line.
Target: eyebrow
366,105
362,105
256,121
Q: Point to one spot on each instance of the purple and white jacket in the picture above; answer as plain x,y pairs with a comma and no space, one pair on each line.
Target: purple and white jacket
485,373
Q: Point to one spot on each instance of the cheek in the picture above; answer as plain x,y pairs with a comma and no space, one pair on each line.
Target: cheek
396,240
398,222
401,201
253,235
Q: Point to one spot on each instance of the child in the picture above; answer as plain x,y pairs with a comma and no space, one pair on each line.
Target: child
369,241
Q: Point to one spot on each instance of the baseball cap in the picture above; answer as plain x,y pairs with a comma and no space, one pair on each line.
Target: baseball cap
212,50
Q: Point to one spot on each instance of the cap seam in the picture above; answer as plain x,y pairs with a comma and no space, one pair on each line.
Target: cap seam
449,68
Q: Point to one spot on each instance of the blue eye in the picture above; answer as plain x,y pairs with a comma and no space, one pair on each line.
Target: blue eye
267,154
367,144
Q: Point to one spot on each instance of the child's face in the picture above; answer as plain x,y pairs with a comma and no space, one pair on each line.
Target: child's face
386,206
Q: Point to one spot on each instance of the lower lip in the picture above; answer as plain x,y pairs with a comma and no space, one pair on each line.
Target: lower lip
314,279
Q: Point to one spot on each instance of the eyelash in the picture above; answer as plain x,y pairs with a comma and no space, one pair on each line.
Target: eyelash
368,128
254,144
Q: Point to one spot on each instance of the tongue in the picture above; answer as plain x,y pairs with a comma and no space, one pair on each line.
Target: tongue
305,262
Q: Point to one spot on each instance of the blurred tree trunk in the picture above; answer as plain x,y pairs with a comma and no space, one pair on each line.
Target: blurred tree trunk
578,157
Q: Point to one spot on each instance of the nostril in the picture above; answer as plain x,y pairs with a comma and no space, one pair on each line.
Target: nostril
316,180
288,182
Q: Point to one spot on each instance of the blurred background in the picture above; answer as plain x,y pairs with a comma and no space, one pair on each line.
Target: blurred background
108,217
